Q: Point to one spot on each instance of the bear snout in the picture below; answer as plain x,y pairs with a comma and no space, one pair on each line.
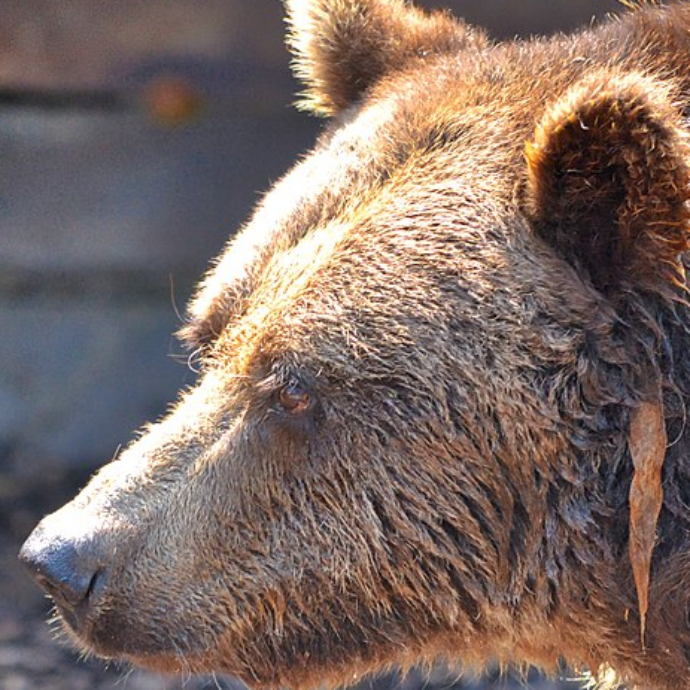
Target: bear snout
70,569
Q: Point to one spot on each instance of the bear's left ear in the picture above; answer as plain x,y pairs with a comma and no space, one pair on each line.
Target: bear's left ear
342,47
608,182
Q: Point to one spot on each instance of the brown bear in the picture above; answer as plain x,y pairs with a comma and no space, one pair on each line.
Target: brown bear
445,375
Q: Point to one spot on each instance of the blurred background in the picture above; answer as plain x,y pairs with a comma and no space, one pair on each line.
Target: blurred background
135,138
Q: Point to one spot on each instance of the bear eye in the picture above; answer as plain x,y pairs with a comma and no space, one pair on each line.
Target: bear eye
294,398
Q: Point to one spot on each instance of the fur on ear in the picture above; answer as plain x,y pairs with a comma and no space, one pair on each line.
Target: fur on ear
608,181
342,47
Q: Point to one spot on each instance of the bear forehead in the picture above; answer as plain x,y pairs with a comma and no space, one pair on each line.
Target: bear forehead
427,143
378,224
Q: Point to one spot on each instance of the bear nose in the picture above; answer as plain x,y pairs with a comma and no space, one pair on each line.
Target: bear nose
69,571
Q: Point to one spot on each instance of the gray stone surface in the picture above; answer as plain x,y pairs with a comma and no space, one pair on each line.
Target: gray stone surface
91,192
509,18
63,390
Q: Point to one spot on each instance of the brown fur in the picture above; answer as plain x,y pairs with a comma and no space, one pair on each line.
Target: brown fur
420,361
343,48
612,157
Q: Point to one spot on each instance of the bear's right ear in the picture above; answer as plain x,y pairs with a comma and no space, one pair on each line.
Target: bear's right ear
342,47
609,181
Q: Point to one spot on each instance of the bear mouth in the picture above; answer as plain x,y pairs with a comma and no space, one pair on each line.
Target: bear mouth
135,637
110,636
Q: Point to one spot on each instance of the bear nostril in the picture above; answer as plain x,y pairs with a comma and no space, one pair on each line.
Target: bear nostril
96,585
68,572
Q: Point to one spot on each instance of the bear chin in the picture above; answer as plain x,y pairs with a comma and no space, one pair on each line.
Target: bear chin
113,639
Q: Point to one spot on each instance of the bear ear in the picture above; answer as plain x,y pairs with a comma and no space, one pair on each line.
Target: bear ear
608,182
342,47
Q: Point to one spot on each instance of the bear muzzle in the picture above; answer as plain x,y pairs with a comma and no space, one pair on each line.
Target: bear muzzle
82,559
71,569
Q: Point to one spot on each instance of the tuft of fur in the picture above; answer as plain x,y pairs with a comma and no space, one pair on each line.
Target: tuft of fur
343,47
